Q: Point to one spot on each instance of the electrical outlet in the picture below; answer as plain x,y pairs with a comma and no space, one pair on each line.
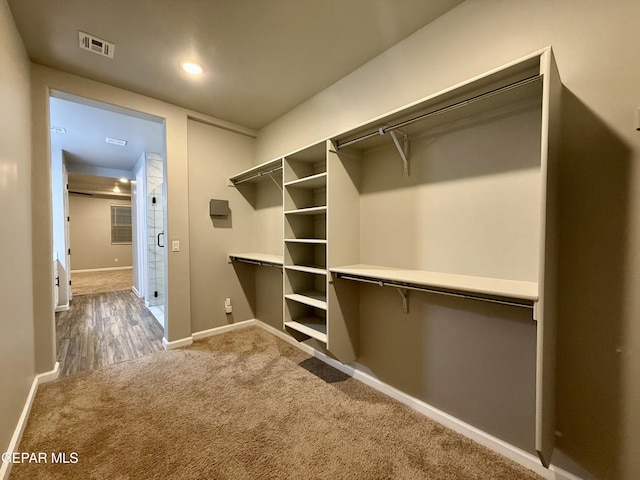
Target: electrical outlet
227,305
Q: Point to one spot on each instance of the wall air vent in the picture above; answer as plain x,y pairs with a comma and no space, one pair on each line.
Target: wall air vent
96,45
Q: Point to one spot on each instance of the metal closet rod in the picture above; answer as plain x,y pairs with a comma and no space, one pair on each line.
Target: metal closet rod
383,283
256,262
460,104
259,174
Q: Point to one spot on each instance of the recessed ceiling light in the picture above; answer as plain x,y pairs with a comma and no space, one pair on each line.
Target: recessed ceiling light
115,141
192,68
124,180
58,130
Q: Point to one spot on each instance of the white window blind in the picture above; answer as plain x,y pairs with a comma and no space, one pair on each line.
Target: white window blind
120,224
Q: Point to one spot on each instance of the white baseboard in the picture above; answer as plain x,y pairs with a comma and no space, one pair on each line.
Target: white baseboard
104,269
183,342
225,328
5,468
516,454
62,308
135,291
49,376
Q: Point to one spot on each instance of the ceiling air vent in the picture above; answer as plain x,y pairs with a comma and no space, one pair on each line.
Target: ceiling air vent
96,45
115,141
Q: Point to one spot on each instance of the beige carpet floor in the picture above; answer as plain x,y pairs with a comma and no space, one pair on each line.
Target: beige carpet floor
83,283
242,405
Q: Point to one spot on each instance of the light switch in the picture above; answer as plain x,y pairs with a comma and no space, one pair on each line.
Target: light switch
175,246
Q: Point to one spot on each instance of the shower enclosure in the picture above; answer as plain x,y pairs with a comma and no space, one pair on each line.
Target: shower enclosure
155,235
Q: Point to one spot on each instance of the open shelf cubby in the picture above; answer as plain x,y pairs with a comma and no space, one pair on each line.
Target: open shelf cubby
306,254
305,164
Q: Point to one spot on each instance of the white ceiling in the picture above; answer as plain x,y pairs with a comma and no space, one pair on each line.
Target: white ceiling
87,125
261,57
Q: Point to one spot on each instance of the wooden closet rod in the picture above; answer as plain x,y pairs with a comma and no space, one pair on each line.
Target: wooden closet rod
433,113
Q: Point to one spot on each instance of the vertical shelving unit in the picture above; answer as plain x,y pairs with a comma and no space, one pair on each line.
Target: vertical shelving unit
453,194
305,242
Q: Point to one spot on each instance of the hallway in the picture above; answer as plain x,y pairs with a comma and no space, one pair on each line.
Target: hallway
101,281
103,329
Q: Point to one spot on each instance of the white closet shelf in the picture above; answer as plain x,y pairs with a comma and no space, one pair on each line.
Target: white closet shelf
257,173
318,180
442,110
305,240
307,211
312,298
444,282
257,258
313,327
306,269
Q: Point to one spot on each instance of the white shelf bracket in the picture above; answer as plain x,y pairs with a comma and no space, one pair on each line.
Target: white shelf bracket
404,293
274,181
403,150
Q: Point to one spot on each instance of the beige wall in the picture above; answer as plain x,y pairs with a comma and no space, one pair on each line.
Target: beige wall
16,301
90,234
596,51
178,302
212,278
255,225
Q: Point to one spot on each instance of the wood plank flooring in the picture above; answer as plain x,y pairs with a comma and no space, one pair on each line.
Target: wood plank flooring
83,283
103,329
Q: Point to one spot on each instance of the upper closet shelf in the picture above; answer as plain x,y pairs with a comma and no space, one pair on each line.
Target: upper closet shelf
257,259
480,288
512,88
257,173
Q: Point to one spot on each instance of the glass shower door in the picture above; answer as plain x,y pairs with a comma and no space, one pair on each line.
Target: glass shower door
155,236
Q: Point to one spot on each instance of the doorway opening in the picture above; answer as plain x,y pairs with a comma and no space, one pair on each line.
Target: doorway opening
108,207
